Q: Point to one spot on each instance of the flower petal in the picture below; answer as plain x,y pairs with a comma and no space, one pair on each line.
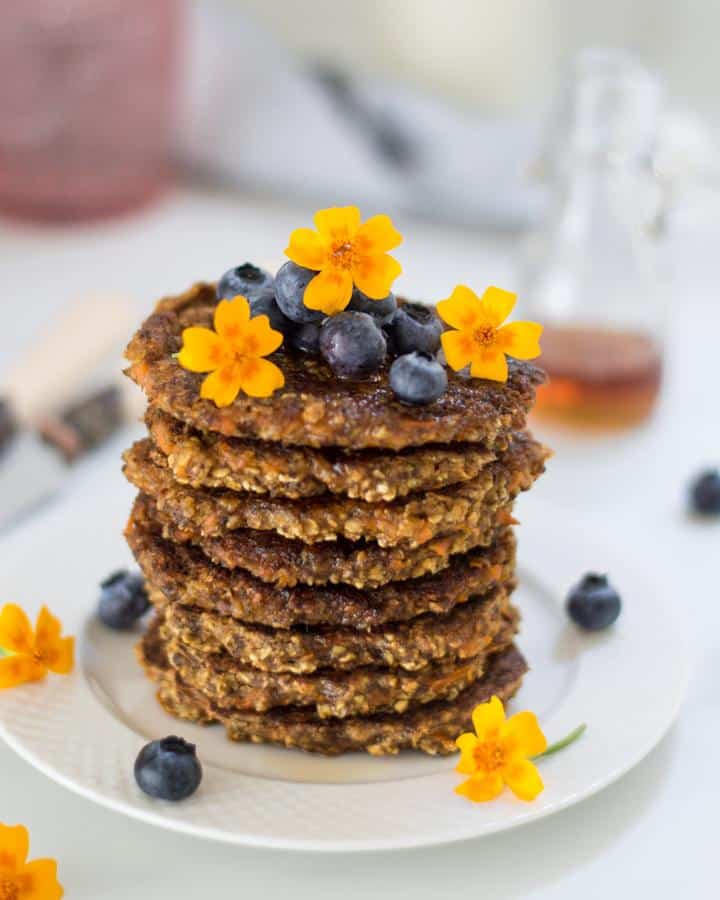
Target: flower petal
524,736
202,350
523,779
338,223
260,377
374,274
258,338
490,363
63,660
377,235
20,669
47,632
231,317
520,339
56,653
329,292
497,305
307,249
459,348
16,633
222,386
481,788
38,881
14,847
466,744
462,309
488,718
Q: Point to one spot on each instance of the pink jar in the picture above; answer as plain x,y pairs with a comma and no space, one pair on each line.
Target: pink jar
87,105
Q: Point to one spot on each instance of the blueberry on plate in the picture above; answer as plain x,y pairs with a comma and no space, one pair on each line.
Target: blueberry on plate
593,603
705,493
168,769
305,338
414,327
290,284
123,600
353,345
381,310
247,280
417,378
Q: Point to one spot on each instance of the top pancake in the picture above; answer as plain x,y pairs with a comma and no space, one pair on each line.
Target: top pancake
315,408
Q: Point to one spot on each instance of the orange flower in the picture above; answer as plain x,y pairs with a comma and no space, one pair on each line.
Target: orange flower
498,754
32,655
232,354
20,879
345,253
481,340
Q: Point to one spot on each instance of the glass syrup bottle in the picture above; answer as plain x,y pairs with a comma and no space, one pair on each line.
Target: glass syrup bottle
589,273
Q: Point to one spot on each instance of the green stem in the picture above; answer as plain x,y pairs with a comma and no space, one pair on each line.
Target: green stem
564,742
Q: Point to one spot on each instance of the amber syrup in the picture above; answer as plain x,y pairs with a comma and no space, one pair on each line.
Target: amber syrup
599,377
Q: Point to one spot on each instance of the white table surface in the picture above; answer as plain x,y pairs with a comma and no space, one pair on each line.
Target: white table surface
652,834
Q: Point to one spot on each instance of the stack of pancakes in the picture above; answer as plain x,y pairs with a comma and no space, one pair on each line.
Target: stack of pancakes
331,569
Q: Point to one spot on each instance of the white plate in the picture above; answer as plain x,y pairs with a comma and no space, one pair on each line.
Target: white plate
85,730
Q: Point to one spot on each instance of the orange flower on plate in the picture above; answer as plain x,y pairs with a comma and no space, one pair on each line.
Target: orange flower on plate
32,654
498,754
481,340
20,879
345,252
233,354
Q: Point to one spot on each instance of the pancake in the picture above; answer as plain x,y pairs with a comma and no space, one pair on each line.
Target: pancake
315,408
186,576
331,693
362,564
410,521
431,728
210,460
463,633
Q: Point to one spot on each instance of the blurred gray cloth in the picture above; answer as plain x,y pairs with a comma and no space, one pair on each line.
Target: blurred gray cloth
254,116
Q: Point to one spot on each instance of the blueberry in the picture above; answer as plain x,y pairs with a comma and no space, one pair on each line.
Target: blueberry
257,286
705,493
593,603
414,327
305,338
168,769
417,378
353,345
123,600
381,310
247,280
290,284
267,306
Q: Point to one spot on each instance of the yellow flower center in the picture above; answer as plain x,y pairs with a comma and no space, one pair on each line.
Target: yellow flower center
484,336
489,756
9,890
342,254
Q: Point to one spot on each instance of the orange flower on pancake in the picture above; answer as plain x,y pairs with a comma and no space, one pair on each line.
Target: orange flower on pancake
479,338
233,354
345,252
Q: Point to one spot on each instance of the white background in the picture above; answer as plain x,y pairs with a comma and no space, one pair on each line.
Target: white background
651,834
500,57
